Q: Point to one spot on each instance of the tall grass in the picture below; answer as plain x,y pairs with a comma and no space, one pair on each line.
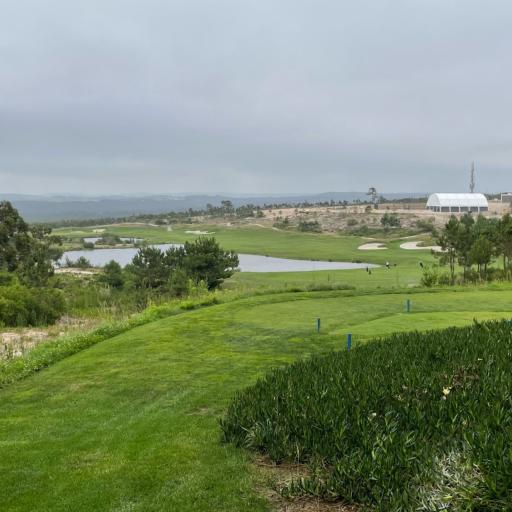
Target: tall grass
418,421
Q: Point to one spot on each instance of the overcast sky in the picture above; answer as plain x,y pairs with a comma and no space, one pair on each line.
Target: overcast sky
254,96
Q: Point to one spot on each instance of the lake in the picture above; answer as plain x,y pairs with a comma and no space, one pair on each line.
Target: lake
248,262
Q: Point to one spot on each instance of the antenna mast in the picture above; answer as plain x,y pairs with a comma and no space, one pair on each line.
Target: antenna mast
472,179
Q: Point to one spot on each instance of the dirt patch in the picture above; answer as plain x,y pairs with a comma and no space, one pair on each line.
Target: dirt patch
16,342
278,476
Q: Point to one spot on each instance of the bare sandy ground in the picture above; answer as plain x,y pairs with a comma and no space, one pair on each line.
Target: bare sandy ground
75,271
15,342
372,247
413,246
197,232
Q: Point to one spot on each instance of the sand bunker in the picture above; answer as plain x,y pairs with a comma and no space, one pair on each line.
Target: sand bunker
414,246
200,232
372,247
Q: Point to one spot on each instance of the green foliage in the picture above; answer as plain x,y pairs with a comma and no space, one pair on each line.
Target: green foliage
204,260
179,283
151,267
109,239
427,225
200,260
112,275
390,220
21,306
430,276
282,223
81,262
467,242
309,226
30,251
14,237
386,423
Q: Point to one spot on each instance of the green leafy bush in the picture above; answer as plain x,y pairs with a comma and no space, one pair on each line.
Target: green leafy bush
112,275
81,262
391,220
312,226
21,306
418,421
430,276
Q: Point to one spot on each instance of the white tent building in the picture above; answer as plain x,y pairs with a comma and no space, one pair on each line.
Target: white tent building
457,203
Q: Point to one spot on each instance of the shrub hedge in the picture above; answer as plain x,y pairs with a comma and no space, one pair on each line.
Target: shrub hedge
417,421
21,306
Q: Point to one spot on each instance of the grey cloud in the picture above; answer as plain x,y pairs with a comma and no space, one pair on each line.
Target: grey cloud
254,96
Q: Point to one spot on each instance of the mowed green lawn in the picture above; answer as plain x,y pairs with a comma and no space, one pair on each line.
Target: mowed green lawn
131,424
261,240
291,244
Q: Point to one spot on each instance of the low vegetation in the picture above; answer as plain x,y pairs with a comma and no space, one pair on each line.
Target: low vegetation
21,305
413,422
312,226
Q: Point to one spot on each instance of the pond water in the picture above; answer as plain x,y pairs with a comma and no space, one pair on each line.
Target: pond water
248,262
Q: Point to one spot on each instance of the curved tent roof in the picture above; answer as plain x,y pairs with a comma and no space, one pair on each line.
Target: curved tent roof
458,200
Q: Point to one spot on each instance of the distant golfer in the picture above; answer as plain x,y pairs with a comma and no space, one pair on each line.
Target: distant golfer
387,265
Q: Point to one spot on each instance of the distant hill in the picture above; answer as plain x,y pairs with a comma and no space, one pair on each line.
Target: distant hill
54,208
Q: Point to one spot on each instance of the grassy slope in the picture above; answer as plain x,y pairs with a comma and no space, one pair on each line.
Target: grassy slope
132,423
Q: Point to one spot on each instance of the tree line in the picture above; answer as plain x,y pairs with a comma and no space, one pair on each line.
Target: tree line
201,262
470,247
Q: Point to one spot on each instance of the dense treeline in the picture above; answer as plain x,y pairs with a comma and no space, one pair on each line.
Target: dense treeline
473,245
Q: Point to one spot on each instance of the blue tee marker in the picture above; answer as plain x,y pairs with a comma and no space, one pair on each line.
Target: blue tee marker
349,341
318,325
